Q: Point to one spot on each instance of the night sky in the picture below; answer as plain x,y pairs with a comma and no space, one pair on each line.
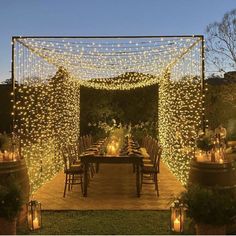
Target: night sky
103,17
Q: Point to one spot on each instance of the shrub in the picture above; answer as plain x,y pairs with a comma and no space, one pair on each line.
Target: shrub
209,205
10,201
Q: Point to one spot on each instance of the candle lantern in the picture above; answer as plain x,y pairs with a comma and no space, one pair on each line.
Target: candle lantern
177,217
34,216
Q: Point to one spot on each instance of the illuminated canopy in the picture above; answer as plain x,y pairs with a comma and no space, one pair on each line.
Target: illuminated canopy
50,71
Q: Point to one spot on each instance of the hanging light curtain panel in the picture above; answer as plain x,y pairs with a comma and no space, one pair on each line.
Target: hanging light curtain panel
48,73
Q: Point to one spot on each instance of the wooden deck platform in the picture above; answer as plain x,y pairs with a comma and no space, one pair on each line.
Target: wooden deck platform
112,188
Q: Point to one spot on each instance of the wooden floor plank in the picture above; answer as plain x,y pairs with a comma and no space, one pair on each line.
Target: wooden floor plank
112,188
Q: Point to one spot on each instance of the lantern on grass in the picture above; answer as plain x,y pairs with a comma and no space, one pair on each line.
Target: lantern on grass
177,216
34,216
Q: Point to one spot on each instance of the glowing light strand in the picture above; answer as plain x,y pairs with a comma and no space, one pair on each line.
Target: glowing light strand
49,75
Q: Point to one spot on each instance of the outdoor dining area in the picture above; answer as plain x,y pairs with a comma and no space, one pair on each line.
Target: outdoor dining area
74,155
82,162
50,101
111,174
55,126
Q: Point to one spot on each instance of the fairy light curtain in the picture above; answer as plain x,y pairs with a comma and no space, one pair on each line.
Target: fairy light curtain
50,71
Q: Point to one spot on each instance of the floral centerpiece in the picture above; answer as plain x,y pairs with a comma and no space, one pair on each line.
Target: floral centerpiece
137,130
205,145
5,142
205,141
8,147
115,140
209,148
103,129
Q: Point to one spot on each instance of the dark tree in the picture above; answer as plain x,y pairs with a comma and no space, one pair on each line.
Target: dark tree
221,43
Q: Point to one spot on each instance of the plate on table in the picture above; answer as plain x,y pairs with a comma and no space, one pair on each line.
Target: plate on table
88,154
136,151
92,149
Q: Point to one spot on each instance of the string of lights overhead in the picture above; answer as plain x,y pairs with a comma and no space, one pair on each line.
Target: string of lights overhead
98,60
50,71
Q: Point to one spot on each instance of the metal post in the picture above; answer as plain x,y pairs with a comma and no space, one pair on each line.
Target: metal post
203,84
13,83
13,92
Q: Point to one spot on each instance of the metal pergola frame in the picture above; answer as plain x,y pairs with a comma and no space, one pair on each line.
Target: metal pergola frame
114,37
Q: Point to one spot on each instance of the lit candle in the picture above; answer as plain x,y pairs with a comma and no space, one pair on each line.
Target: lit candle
200,157
36,223
177,225
5,155
109,148
116,145
221,161
29,219
113,150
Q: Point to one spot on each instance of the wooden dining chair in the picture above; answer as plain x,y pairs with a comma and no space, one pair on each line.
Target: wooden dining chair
88,144
90,139
144,141
87,141
149,144
83,145
73,171
151,150
151,170
73,151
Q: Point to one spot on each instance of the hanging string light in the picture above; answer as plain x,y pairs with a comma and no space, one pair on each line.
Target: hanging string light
50,72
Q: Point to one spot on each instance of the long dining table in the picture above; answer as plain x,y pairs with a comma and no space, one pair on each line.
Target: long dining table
89,158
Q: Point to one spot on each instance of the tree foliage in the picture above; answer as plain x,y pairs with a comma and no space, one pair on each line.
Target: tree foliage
221,43
221,105
132,106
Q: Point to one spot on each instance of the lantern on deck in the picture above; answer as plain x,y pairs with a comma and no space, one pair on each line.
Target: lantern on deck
34,216
177,217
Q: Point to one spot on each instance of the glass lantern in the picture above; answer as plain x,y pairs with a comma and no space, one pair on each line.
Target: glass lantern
177,217
34,215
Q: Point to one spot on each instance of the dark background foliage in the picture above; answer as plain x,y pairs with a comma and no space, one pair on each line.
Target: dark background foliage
131,106
139,105
221,103
5,108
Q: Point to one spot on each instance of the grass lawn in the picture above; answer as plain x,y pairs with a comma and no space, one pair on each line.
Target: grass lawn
103,222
